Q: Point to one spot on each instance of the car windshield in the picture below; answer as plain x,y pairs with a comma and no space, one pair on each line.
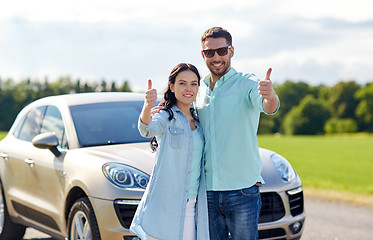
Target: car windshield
107,123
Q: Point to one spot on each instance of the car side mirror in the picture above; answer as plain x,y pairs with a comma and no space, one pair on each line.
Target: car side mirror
47,140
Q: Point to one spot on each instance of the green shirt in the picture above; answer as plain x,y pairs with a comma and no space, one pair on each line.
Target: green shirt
229,116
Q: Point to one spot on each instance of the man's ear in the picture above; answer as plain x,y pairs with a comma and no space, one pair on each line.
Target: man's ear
232,51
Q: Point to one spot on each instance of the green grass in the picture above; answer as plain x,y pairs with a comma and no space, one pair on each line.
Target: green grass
341,163
337,163
3,134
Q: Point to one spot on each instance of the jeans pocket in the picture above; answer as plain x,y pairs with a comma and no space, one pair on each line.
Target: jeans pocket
176,137
252,191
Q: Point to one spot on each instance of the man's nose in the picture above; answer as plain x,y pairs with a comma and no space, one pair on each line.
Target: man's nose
216,56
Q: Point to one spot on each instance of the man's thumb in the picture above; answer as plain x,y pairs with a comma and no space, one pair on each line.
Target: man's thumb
268,75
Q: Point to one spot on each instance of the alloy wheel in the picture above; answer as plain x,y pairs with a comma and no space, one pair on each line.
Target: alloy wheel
80,229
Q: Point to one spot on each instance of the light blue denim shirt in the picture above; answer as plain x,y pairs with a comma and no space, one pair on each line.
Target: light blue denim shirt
198,146
161,211
229,116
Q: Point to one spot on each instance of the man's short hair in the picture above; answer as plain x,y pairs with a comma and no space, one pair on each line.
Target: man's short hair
217,32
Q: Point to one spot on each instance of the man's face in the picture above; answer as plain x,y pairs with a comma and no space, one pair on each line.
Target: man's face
218,65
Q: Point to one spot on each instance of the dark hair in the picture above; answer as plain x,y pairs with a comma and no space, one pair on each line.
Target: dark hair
169,99
217,32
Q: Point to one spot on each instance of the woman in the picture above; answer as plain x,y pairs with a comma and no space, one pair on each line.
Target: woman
174,204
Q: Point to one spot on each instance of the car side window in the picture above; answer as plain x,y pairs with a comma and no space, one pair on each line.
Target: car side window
30,127
53,122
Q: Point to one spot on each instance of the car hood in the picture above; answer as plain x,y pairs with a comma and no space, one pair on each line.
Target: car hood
137,155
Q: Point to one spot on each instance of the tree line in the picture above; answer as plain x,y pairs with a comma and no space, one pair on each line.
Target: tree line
346,107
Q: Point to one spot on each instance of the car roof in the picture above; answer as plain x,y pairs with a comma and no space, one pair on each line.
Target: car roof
94,97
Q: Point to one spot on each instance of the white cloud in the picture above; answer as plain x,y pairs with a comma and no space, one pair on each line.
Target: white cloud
312,40
119,10
349,59
357,10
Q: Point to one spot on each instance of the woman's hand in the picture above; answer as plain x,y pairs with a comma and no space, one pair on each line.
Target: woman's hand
150,100
150,95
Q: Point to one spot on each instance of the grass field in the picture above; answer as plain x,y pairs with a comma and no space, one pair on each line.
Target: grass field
2,134
335,163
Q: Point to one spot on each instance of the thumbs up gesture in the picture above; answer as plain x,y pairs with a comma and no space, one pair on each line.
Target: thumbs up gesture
150,96
265,88
150,100
268,94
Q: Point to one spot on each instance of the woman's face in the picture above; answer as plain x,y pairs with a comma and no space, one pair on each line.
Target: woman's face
185,87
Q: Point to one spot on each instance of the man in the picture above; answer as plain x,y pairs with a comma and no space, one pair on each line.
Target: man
229,106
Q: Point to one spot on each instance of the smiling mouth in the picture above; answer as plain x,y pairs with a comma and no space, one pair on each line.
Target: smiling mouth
188,95
217,64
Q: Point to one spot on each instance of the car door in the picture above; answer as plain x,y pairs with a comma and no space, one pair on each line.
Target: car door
48,172
19,168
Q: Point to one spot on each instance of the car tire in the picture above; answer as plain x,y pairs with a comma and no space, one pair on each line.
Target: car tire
82,221
8,229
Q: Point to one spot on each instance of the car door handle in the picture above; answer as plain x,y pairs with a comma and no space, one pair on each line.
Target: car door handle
29,161
4,156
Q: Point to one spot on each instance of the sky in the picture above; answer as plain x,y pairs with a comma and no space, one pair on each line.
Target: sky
318,41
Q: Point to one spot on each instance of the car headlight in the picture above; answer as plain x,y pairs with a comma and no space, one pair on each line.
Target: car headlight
283,167
125,176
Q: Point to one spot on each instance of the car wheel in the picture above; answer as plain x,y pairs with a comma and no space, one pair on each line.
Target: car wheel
82,221
8,229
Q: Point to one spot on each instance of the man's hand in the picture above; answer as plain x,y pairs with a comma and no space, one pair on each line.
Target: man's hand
268,94
156,109
265,88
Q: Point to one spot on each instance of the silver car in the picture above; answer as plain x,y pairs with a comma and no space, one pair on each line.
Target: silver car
75,167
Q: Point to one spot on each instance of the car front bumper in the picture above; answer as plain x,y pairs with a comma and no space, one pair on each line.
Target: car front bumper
281,217
114,217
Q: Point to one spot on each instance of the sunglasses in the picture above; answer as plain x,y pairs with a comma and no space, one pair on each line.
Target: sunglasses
209,53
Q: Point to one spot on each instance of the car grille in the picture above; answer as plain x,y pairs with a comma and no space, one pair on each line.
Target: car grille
125,212
296,203
272,207
272,233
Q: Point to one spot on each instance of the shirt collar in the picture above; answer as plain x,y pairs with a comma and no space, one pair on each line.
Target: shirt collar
224,78
175,108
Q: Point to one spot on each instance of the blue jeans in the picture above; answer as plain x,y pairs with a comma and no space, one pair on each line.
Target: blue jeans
235,212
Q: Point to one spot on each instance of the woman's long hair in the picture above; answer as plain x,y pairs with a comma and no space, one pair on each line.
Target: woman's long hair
169,99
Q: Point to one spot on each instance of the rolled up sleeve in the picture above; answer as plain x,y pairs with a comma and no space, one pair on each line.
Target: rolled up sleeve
155,127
